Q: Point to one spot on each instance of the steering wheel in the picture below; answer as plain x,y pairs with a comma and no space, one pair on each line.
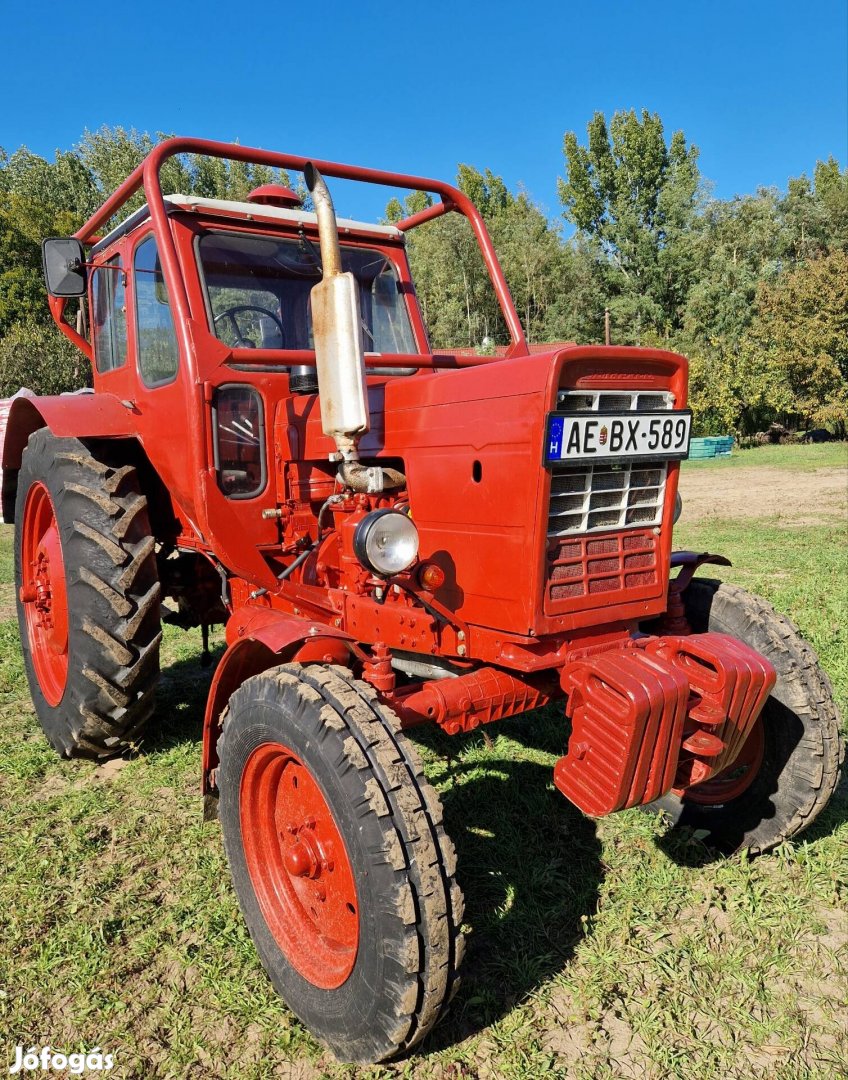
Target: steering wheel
242,342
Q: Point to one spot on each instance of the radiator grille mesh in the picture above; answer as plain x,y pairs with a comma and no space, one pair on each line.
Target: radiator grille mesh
622,499
611,494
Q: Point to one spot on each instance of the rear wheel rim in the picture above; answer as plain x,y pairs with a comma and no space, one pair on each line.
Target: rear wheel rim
43,593
736,778
299,866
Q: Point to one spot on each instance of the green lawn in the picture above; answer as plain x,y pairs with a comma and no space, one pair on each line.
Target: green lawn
799,458
596,949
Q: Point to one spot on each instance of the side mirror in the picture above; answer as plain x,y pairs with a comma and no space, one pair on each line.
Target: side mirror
64,266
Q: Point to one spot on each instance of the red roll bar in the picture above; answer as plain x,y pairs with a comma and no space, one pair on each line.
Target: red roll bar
147,175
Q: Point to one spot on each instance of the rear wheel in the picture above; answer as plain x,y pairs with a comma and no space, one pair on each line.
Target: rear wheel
789,766
339,859
88,597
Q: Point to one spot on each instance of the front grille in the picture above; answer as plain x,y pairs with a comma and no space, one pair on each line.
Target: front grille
610,495
622,499
586,566
579,401
593,498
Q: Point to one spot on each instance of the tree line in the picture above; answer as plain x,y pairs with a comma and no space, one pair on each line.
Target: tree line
753,289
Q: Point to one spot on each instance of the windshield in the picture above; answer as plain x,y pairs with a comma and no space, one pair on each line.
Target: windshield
258,293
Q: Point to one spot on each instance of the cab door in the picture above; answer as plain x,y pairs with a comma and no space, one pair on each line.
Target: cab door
162,394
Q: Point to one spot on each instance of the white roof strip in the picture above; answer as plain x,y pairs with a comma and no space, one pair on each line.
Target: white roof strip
255,211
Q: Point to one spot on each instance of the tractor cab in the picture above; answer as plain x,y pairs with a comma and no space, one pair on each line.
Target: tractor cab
250,268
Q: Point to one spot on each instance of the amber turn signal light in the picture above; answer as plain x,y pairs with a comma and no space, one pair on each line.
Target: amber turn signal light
431,576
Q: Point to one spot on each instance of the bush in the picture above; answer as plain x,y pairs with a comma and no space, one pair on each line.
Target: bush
40,358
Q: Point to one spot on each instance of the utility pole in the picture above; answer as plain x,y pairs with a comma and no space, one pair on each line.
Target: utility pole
607,335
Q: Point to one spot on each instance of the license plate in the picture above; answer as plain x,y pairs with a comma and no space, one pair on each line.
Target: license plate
597,436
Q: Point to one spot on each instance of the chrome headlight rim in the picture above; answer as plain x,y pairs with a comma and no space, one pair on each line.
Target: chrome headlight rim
364,532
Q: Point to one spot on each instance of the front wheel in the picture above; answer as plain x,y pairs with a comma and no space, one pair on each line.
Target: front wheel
789,766
343,871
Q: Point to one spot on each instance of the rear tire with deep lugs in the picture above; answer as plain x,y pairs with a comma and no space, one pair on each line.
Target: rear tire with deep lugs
88,597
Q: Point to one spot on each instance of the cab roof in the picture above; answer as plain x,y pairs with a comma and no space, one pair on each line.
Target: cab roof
249,211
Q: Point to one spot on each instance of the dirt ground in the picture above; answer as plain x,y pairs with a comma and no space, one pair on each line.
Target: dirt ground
791,497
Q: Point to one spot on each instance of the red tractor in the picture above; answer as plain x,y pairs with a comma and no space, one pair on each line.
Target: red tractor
392,536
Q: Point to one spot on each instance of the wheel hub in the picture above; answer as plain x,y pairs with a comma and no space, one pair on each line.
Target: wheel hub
43,593
305,856
736,778
299,866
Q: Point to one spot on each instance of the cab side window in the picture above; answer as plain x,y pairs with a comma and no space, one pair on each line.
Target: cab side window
158,356
109,316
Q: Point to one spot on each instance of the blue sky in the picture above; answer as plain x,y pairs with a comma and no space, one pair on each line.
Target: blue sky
761,88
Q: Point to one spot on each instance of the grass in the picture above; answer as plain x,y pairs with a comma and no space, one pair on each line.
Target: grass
800,458
802,575
596,949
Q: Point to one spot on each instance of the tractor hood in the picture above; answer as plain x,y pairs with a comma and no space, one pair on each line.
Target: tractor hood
471,445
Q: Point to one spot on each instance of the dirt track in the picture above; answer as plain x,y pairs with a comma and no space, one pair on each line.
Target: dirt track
791,497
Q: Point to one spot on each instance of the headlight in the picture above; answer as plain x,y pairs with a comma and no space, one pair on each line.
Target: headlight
386,542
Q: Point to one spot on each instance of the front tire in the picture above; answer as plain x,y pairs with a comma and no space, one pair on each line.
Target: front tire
789,767
88,597
342,868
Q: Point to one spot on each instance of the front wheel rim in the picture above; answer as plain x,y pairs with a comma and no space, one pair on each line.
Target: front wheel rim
299,866
736,778
43,593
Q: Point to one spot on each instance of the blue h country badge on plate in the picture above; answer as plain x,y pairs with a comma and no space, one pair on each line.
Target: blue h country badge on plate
555,438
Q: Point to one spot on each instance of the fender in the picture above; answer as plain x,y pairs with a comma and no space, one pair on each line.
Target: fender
259,638
67,415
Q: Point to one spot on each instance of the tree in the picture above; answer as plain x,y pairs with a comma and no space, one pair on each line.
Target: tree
452,284
37,199
751,288
735,244
815,215
799,336
41,359
111,154
635,199
830,184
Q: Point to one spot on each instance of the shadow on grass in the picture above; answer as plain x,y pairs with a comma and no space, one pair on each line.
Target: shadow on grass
529,864
180,703
684,845
530,867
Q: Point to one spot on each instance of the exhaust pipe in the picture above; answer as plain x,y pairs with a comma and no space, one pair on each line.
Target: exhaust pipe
339,356
336,327
328,233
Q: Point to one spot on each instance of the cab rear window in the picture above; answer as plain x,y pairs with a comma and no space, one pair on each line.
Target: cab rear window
109,315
